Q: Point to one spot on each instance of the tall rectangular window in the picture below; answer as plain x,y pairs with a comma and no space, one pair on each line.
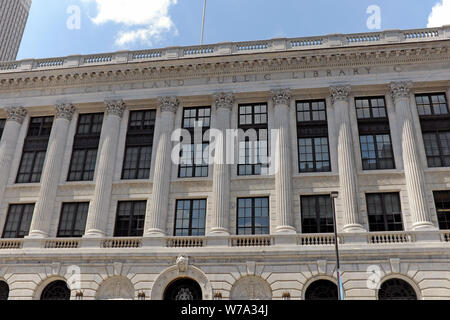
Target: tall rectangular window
2,126
374,134
194,161
72,222
442,200
190,218
435,122
317,214
85,146
384,212
253,216
312,134
130,219
18,221
34,150
253,145
139,145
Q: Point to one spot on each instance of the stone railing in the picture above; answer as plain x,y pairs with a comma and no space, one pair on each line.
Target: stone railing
122,243
390,237
316,239
185,242
6,244
251,241
232,48
62,244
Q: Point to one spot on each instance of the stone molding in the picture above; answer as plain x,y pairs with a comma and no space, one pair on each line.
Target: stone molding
17,114
115,108
224,100
169,104
282,97
65,111
340,93
401,89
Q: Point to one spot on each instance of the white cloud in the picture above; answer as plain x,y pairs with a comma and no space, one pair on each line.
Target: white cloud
143,20
440,14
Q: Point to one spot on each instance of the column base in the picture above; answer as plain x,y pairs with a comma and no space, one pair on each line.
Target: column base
155,233
286,230
37,234
424,226
219,232
353,228
94,234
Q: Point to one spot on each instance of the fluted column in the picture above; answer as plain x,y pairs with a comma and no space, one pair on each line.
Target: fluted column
415,180
100,206
346,160
8,143
156,225
283,163
221,183
43,211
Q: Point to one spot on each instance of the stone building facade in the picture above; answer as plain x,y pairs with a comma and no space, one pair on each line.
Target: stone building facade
93,206
13,19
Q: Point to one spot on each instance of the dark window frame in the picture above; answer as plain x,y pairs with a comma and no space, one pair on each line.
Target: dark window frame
256,168
36,143
22,207
318,216
141,139
86,143
131,218
443,218
194,167
253,228
384,213
430,98
191,208
2,126
375,127
76,213
313,129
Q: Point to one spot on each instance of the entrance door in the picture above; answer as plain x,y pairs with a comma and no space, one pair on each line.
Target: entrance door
183,290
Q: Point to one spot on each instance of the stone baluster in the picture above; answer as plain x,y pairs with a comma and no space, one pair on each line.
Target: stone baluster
346,160
8,143
221,177
101,204
415,180
283,163
159,204
43,211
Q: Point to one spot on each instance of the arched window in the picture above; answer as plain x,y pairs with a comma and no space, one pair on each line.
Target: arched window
183,290
56,290
396,289
4,291
322,290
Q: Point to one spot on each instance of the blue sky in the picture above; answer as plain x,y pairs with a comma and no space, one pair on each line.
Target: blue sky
114,25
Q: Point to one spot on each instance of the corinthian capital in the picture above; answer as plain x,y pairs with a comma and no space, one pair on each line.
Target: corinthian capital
401,89
169,104
65,111
340,93
282,96
224,100
16,114
115,108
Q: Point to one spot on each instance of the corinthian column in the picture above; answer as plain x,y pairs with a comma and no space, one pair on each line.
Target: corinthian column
8,143
346,160
156,222
100,206
221,183
283,179
43,211
415,180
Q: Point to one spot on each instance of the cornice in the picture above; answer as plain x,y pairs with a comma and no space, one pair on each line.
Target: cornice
257,63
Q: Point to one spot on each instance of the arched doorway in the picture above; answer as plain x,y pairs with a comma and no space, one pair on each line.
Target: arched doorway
4,291
183,290
396,289
57,290
322,290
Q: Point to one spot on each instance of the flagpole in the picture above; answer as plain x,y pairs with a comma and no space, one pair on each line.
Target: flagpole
203,22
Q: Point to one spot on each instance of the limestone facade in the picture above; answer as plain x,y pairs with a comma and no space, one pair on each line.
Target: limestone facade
396,65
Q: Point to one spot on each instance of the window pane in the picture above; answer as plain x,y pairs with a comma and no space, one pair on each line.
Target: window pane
190,218
253,216
384,212
73,220
442,201
130,219
18,221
